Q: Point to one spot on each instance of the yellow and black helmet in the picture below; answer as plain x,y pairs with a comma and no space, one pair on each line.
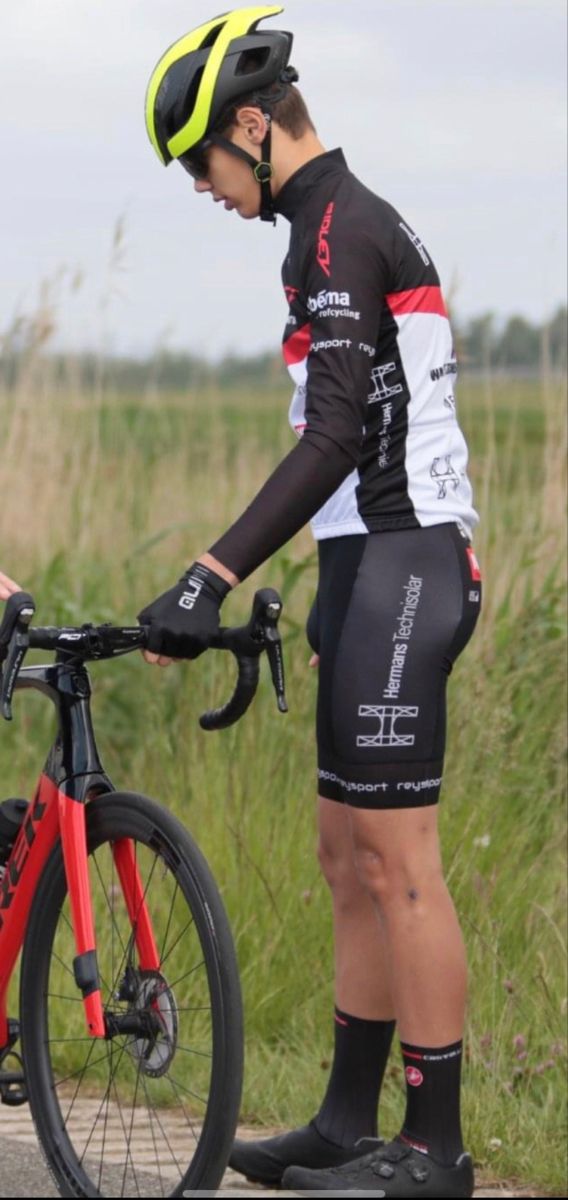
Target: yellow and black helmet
207,70
203,74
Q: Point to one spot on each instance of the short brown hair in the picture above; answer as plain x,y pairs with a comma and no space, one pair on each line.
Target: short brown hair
290,112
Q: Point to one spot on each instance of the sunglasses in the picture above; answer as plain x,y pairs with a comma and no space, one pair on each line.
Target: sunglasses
195,163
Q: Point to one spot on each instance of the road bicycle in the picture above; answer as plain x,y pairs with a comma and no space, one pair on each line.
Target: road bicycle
130,1017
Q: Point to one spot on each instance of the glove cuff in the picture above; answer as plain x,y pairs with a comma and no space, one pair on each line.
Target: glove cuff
199,577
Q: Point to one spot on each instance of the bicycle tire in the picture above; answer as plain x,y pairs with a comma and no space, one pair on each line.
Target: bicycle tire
159,837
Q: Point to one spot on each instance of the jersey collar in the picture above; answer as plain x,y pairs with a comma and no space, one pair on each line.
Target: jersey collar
292,195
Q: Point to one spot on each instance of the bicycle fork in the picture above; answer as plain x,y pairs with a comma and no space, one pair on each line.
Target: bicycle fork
72,825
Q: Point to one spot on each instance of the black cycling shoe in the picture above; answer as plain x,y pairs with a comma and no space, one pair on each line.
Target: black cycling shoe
265,1161
394,1170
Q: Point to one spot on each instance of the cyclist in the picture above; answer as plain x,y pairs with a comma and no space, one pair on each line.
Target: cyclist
380,470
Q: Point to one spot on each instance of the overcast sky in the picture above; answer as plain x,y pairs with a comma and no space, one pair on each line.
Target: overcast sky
452,110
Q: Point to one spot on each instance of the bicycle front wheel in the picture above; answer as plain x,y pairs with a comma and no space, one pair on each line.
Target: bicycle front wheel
152,1109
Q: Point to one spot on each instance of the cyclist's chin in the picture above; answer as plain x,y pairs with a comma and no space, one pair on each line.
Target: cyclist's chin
247,210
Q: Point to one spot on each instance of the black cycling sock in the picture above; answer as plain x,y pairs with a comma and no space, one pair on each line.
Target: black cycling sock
349,1107
432,1121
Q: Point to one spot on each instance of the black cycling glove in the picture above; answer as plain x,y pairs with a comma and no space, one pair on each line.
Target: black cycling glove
183,620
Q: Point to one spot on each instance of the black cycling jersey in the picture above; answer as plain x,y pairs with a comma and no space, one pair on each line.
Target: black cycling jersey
369,346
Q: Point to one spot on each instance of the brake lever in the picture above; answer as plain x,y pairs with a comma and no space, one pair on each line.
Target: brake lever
260,633
19,646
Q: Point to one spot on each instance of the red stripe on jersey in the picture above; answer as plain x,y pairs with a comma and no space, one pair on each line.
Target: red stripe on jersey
422,299
297,347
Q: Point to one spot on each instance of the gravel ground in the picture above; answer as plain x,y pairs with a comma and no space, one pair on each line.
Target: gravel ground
23,1171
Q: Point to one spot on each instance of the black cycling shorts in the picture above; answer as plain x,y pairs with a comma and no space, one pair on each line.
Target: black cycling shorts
393,610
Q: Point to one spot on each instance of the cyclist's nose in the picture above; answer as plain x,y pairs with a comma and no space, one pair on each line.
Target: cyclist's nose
202,185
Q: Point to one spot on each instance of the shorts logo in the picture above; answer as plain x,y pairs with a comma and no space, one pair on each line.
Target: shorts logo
473,563
414,1077
387,715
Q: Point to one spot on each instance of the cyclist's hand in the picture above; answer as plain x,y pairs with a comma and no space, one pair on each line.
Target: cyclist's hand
314,661
183,620
8,587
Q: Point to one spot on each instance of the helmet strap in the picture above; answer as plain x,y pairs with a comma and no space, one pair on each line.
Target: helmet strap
262,171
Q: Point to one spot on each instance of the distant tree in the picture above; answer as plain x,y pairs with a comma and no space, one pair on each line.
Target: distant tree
558,338
478,341
519,344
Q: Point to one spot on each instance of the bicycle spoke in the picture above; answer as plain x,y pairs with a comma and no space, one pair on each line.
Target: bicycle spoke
178,939
81,1073
166,934
57,1083
188,1050
96,1120
57,996
126,956
119,1105
60,960
110,1049
114,925
196,1095
166,1139
173,1084
130,1134
187,974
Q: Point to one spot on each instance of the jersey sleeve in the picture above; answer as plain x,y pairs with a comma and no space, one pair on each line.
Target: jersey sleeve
342,284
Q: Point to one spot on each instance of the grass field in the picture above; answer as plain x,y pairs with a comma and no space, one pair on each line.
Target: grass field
105,497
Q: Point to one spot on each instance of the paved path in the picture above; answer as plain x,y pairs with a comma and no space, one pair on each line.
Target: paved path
23,1171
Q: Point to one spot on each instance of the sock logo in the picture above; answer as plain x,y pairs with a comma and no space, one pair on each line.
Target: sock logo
414,1077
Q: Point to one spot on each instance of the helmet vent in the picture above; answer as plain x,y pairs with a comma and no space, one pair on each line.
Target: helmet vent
211,37
251,61
191,95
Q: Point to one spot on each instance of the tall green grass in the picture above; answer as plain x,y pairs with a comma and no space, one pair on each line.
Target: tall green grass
104,499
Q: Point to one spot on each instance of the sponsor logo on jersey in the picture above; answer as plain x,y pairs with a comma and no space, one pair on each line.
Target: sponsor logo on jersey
413,237
383,390
449,368
324,253
332,344
384,435
444,474
332,304
291,293
414,1077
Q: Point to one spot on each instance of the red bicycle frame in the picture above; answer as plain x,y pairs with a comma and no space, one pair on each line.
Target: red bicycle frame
73,774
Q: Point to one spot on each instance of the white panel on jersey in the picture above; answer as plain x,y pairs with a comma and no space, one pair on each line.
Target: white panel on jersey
436,452
339,514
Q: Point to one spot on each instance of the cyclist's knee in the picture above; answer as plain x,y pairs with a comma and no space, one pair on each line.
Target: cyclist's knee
335,851
402,868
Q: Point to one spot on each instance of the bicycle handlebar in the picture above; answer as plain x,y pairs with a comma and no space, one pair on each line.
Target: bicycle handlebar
89,643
